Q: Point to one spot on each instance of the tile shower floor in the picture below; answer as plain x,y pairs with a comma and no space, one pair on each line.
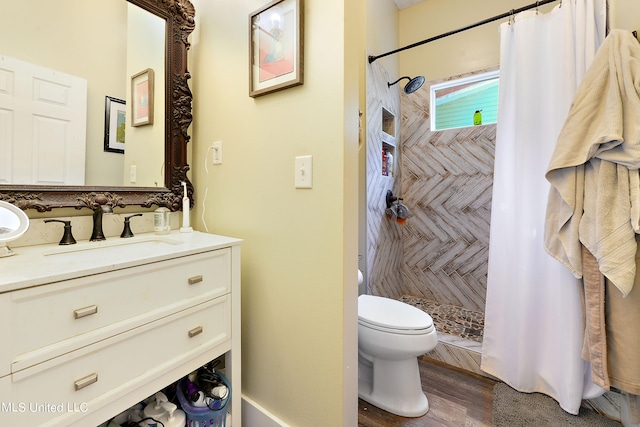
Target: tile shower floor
450,319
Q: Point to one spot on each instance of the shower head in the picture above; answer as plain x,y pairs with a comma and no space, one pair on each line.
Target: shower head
413,85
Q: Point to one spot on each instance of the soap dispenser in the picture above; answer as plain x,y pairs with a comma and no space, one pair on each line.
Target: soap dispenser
162,220
154,409
173,416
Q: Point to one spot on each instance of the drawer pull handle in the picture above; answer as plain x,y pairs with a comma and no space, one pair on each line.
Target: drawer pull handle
195,331
86,311
195,279
86,381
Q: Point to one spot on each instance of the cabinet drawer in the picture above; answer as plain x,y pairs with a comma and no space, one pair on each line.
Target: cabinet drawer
60,317
91,377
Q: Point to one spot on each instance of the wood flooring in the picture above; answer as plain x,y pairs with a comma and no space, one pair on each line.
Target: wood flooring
456,399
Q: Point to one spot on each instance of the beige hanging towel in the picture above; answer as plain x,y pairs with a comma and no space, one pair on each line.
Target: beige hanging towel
594,197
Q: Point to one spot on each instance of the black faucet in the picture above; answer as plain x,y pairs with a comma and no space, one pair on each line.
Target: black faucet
97,234
126,231
67,237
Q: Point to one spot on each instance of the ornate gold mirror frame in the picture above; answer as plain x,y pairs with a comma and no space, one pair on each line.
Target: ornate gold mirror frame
179,16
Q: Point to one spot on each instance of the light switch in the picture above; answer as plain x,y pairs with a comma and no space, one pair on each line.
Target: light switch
133,175
304,172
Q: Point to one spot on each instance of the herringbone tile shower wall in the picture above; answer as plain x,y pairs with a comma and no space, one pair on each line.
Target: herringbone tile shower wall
445,179
384,237
447,183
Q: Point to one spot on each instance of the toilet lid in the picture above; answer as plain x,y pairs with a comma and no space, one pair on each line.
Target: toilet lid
392,314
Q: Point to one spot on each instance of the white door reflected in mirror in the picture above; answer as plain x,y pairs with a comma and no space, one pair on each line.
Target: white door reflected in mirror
13,224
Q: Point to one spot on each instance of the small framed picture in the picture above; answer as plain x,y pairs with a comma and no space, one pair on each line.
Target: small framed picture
142,98
276,47
115,119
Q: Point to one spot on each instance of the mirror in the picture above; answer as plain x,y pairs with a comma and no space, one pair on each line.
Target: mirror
13,224
172,94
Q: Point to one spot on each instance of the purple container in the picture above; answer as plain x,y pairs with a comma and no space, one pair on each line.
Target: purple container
203,416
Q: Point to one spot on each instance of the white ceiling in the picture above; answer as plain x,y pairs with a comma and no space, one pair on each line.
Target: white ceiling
403,4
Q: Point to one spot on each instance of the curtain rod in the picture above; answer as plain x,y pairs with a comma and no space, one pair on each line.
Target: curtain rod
512,12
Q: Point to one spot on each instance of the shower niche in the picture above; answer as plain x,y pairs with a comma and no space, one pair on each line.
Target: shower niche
388,143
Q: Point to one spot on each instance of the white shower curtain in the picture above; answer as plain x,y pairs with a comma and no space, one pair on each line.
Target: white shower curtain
533,323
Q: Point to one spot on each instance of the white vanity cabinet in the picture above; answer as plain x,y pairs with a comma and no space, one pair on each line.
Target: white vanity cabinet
91,329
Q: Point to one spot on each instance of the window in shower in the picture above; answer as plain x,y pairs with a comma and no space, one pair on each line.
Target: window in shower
469,101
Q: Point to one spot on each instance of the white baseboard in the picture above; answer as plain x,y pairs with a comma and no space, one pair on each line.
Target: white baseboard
254,415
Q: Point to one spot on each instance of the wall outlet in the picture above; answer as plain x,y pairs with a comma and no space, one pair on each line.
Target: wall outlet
133,174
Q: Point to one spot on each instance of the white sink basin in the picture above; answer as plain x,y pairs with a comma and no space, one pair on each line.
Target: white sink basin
111,249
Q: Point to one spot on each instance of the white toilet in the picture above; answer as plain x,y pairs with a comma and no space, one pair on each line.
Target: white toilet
391,336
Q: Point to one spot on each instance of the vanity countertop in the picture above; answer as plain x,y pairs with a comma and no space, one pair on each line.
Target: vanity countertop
37,265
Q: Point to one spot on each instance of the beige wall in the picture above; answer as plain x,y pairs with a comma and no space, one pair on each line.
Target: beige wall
624,14
299,293
383,33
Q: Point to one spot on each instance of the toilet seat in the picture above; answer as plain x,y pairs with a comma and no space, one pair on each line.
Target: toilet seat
388,315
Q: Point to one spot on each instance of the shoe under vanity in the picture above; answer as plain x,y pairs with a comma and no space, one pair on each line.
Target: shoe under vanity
91,329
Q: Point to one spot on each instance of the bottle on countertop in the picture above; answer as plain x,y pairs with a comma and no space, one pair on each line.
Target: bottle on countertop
162,220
